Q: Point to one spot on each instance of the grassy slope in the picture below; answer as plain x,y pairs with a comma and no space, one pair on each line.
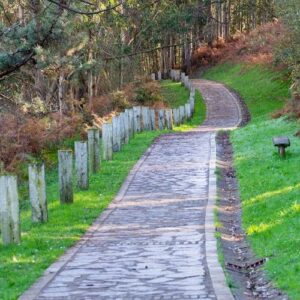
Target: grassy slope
176,95
21,265
269,185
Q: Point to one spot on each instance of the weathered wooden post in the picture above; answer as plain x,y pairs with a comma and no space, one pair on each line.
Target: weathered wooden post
116,134
126,126
94,150
188,111
186,81
146,118
159,77
65,171
107,138
37,193
153,76
1,167
182,77
81,165
130,122
174,117
161,119
152,119
177,75
169,119
9,210
192,92
182,113
137,118
122,128
192,103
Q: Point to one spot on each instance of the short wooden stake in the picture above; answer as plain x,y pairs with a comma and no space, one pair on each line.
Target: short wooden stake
182,114
122,128
146,118
153,76
159,76
65,171
9,210
81,165
137,119
152,119
161,119
37,193
94,150
169,119
126,126
192,103
188,111
116,134
130,122
107,138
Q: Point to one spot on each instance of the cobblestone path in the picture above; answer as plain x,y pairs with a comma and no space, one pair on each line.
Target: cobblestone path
151,242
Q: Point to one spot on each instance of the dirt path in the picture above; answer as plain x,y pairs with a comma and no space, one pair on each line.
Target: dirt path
156,239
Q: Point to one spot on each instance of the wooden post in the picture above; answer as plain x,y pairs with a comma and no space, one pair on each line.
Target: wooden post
182,113
192,103
94,150
159,77
192,92
116,134
9,210
126,126
153,76
161,119
1,167
81,164
152,119
146,118
188,111
182,77
107,137
122,128
174,117
65,171
177,75
137,118
169,119
37,193
130,122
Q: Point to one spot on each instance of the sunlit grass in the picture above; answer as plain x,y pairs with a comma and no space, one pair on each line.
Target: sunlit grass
42,244
269,185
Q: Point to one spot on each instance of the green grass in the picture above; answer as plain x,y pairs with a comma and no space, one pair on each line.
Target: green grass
42,244
176,95
269,185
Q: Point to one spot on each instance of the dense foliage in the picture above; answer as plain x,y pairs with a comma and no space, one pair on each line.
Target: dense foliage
56,53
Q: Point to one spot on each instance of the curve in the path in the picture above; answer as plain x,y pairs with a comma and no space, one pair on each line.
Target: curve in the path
156,239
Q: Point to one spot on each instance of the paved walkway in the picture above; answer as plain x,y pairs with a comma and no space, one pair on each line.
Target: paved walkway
156,240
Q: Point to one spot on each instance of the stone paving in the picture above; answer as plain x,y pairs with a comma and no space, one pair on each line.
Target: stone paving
150,243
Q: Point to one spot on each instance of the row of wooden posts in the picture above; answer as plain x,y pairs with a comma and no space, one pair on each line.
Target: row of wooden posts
87,160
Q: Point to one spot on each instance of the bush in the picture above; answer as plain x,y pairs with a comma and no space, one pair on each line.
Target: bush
148,93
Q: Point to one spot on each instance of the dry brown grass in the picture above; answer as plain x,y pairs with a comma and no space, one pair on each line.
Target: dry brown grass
254,47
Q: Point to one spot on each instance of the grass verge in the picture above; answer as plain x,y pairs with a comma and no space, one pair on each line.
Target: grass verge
42,244
269,185
176,95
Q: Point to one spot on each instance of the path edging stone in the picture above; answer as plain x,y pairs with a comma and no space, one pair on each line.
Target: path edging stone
217,275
